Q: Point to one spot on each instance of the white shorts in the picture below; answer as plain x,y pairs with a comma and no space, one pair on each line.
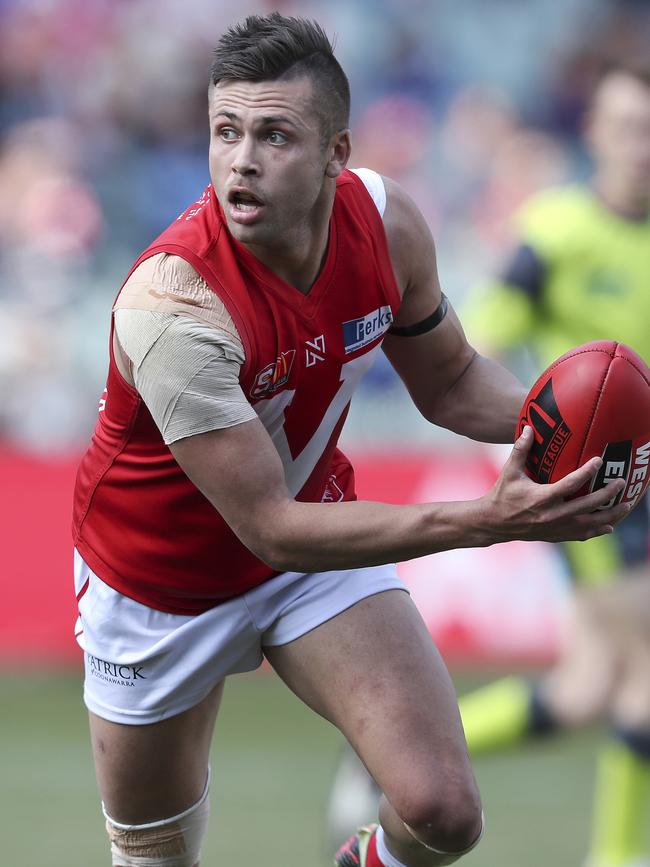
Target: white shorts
143,665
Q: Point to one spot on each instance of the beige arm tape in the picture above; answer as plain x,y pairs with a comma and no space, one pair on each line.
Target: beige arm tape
168,284
178,345
187,372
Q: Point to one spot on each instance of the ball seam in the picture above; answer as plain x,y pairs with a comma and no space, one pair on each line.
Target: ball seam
594,409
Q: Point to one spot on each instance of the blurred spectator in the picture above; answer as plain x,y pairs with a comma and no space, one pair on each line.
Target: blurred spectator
50,223
108,101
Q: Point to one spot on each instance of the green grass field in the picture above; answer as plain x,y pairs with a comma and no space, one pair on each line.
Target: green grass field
272,764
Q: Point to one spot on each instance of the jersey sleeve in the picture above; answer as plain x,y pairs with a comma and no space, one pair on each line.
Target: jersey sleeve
374,183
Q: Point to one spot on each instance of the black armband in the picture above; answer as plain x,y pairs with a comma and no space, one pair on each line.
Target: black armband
423,325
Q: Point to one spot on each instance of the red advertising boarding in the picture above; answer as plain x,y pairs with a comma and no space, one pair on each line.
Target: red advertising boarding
497,605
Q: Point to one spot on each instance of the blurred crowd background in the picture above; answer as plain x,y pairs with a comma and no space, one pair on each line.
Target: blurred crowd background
471,105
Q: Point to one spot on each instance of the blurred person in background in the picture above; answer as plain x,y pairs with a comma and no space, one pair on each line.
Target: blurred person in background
215,519
50,224
580,271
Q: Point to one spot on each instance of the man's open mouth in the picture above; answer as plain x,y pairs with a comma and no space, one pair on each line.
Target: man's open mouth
243,200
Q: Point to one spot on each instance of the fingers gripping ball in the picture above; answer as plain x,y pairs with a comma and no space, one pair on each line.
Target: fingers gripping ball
594,401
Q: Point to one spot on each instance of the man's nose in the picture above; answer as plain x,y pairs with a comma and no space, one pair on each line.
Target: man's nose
244,160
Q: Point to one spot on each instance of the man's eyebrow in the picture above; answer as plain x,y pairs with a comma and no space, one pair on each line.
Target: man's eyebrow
277,118
229,114
267,120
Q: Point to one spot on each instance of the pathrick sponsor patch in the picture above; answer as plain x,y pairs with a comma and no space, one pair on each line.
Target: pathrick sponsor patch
360,332
113,672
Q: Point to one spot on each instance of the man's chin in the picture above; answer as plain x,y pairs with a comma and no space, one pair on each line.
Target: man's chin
252,234
242,232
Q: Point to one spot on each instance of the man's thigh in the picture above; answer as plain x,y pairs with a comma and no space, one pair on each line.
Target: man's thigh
374,672
150,772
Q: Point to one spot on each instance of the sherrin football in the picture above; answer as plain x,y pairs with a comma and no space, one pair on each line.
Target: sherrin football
593,401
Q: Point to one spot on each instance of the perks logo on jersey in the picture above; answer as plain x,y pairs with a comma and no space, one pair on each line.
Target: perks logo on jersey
274,375
360,332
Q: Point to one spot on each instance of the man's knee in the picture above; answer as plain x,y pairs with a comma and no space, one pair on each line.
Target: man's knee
173,842
446,816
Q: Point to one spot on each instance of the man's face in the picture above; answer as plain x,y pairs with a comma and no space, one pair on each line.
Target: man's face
619,129
267,160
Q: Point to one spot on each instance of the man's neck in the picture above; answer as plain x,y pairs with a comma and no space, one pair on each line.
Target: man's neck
300,263
299,260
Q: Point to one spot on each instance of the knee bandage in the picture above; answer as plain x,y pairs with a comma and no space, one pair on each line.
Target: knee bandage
173,842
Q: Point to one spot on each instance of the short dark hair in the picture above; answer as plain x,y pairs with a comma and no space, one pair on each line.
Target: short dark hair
271,47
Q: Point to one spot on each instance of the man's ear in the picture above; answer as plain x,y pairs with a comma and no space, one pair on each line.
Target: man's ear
338,151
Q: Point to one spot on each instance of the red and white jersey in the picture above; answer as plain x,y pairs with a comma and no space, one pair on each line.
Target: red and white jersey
139,522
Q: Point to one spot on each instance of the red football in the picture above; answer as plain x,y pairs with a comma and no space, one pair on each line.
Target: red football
592,401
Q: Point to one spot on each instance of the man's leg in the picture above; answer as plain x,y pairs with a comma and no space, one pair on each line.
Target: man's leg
577,688
152,780
573,693
502,713
621,819
619,836
374,672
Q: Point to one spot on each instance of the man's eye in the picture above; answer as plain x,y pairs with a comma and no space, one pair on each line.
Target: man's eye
227,133
276,138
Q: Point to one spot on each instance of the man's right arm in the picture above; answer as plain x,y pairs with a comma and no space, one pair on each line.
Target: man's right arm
240,472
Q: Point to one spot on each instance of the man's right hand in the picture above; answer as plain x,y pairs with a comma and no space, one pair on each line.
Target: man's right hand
519,508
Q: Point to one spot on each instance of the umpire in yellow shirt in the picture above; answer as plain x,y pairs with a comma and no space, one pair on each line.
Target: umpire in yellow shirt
580,272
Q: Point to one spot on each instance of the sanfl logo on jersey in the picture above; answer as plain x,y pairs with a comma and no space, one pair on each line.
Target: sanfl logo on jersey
360,332
274,375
